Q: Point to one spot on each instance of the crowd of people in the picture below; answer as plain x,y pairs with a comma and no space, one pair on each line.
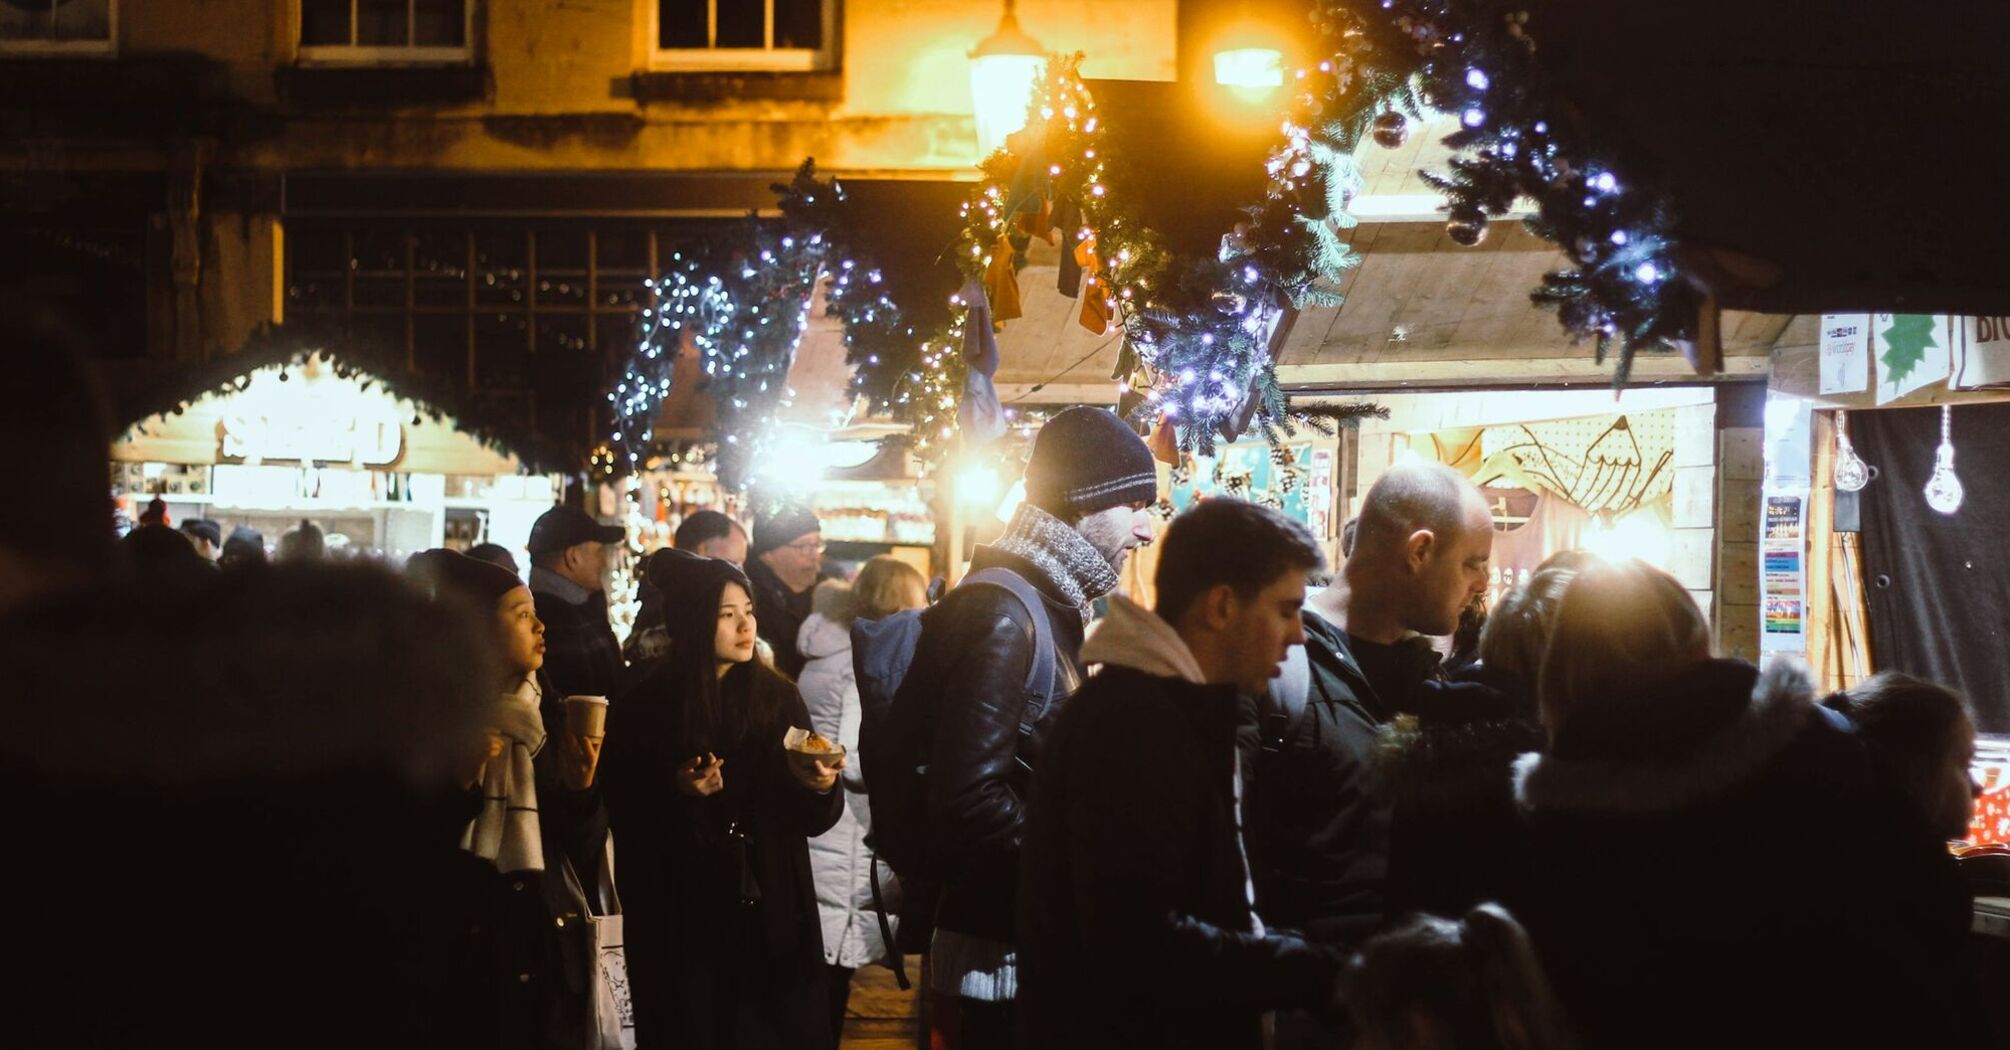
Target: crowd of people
319,803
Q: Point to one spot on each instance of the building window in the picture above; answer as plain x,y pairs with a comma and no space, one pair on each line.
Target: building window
784,36
385,31
63,27
530,314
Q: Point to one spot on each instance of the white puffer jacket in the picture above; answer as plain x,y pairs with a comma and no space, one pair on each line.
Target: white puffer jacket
839,860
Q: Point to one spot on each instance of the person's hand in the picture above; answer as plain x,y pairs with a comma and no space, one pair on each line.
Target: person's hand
814,773
485,750
581,758
703,776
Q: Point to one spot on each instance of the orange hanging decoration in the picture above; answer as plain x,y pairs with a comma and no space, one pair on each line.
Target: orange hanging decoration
1001,284
1095,315
1096,304
1085,253
1039,222
1165,443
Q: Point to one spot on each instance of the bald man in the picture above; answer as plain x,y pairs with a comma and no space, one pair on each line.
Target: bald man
1420,557
1318,825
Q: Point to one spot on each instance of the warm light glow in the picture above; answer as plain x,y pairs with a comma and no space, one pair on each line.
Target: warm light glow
1249,67
1010,504
977,485
1003,70
1637,535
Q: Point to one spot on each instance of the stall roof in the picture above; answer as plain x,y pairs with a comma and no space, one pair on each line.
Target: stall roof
172,393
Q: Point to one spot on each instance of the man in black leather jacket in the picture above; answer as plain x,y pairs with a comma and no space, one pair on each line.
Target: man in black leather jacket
1319,819
1136,915
1088,484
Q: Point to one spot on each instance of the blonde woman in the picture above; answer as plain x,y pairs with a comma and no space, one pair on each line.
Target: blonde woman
839,858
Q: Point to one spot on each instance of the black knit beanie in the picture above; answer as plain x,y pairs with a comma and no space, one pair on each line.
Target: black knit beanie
689,585
783,526
1087,460
441,571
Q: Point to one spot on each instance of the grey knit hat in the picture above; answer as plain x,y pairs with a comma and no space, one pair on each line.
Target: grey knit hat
1087,460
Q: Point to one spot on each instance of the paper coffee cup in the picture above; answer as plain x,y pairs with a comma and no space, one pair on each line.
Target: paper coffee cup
586,715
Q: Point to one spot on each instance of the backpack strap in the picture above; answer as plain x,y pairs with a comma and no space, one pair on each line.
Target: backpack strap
1040,677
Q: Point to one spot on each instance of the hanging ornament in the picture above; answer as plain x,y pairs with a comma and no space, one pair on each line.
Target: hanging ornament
1468,226
1943,489
1852,474
1391,130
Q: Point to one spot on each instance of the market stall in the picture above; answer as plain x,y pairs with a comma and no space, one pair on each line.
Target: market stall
308,436
1883,550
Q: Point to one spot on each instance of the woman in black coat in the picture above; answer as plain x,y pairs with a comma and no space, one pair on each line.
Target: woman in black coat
533,812
1716,862
714,817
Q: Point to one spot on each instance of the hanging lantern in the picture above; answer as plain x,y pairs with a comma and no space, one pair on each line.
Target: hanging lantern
1003,68
1852,474
1943,489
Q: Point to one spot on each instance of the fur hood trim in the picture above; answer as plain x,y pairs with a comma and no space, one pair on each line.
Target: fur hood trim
822,636
1782,705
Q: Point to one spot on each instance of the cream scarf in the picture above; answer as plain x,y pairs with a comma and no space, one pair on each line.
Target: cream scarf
506,831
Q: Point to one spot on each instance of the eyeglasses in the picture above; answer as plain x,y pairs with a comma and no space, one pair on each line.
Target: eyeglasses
807,548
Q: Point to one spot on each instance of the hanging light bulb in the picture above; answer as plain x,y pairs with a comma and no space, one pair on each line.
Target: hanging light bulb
1943,489
1852,474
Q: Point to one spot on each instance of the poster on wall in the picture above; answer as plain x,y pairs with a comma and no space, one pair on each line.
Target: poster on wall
1845,357
1982,354
1783,572
1249,472
1912,351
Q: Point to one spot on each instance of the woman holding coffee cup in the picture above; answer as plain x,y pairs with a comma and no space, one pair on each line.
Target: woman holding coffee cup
714,817
537,813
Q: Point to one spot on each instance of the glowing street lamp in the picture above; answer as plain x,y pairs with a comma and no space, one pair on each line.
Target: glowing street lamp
1002,71
1253,68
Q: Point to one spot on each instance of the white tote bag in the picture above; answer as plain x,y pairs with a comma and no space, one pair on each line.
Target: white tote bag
613,1022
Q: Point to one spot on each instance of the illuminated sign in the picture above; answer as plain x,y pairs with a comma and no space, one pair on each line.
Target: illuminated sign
314,418
367,442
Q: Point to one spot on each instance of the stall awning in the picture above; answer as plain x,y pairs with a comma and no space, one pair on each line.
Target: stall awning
288,399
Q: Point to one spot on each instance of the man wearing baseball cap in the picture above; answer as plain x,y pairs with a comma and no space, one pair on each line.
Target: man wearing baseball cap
1089,486
568,557
206,536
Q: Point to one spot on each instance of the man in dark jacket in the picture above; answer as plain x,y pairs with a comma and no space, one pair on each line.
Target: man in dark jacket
1088,484
568,556
1318,821
786,563
1136,920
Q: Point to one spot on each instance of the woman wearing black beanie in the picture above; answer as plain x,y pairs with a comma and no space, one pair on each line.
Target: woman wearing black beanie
714,817
537,813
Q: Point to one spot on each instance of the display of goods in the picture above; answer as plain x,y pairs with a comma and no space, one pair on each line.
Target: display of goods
1992,810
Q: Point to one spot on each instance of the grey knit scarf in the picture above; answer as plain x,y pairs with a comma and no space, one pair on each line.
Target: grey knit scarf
1053,546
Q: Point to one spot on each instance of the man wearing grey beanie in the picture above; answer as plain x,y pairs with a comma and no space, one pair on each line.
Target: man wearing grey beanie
1089,485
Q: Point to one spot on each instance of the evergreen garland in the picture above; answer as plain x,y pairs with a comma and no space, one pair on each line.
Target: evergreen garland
745,315
1517,138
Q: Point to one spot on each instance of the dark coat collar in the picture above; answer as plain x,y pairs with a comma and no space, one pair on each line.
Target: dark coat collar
1781,706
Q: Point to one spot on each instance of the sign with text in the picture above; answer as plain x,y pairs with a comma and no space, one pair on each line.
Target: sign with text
1982,356
1782,572
1845,357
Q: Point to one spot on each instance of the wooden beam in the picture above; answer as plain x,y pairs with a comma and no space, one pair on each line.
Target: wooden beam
1511,372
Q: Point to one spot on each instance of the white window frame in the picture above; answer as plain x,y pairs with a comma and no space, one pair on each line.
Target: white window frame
106,48
353,54
743,59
